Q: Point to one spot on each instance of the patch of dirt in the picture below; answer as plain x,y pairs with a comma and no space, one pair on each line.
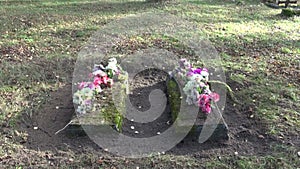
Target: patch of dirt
16,53
246,136
142,85
54,115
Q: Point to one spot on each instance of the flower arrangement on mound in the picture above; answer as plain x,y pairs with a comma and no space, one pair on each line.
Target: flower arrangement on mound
196,86
102,77
92,95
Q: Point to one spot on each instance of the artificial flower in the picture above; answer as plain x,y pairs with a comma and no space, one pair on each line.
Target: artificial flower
196,85
101,77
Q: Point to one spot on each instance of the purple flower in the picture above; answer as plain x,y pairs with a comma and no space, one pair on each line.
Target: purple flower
197,71
88,102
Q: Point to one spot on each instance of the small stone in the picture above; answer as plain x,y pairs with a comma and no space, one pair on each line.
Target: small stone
236,153
168,122
163,152
71,159
35,128
131,119
137,167
140,107
298,153
180,97
17,133
136,132
57,107
106,149
261,136
132,127
158,133
251,116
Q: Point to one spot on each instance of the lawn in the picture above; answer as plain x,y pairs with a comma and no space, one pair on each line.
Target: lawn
260,52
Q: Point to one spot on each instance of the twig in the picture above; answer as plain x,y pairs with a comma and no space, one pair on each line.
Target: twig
63,127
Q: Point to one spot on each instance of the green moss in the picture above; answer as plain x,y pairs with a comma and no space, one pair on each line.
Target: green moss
174,98
111,115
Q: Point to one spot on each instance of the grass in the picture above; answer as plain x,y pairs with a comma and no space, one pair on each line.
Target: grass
260,53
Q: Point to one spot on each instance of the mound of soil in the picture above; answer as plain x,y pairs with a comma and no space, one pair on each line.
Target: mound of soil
246,135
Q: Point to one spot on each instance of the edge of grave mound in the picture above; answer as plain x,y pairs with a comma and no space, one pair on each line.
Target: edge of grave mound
220,133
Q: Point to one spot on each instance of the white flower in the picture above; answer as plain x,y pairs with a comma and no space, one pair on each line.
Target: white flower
112,64
77,97
205,75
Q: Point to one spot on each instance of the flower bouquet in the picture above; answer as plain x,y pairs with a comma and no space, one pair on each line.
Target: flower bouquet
196,86
93,98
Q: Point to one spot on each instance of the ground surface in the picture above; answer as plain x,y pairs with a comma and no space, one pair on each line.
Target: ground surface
260,54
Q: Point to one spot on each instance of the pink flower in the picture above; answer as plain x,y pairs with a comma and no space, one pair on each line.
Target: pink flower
207,108
97,81
82,85
204,103
102,80
215,96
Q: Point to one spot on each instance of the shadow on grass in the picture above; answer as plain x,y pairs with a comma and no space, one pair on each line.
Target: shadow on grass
79,7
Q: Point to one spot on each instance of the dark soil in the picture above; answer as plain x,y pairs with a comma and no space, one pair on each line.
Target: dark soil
142,85
246,135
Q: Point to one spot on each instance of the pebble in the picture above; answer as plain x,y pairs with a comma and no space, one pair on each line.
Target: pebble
140,107
158,133
136,132
132,127
261,136
236,153
71,159
132,120
298,153
35,128
168,122
57,107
